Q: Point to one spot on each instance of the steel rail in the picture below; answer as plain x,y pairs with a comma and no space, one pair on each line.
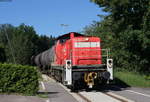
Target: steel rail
115,97
110,95
83,97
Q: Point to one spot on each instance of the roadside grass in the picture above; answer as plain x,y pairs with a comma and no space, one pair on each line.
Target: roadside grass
131,79
42,94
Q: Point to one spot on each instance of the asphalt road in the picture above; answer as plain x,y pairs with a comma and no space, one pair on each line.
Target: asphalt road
18,98
132,93
56,93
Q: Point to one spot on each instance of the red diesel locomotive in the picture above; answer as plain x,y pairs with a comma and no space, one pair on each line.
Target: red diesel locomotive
76,59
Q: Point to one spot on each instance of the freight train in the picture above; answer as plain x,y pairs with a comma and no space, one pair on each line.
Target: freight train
76,60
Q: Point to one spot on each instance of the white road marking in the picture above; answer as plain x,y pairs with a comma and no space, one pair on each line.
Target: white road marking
138,93
43,86
47,100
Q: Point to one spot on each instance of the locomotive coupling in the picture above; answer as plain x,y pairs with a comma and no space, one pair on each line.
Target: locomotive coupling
89,78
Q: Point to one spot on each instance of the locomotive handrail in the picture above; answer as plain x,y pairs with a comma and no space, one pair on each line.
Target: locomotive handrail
107,53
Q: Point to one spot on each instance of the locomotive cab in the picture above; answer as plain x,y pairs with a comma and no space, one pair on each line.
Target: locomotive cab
86,51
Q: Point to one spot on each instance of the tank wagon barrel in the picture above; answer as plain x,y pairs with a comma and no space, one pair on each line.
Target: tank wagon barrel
47,57
44,59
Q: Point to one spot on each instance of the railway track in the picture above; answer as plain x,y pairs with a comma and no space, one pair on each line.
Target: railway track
116,97
83,97
94,96
101,97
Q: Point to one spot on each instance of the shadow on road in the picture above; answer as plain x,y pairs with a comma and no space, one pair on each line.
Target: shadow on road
47,92
120,83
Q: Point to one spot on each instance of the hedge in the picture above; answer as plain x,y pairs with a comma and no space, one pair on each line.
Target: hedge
18,79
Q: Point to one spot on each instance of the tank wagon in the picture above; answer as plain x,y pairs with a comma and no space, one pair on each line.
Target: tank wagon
76,59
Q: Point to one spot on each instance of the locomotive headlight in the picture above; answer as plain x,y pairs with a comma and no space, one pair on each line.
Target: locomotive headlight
110,68
110,63
68,72
68,63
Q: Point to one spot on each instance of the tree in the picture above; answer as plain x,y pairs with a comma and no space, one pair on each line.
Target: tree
24,42
126,31
45,42
6,30
19,44
126,12
2,54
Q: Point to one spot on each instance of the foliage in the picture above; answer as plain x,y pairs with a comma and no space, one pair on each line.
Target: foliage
18,79
45,42
132,79
22,42
126,32
2,54
126,12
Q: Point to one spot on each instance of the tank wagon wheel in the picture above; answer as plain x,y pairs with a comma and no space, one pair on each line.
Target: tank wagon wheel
78,85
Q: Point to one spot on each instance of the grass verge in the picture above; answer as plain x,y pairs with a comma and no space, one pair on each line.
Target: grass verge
131,79
42,95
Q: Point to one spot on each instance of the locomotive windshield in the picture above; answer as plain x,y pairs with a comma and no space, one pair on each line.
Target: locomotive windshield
63,40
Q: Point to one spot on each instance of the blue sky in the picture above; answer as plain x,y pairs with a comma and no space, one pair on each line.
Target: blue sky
46,16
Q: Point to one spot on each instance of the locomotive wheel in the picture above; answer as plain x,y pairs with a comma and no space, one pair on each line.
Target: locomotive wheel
74,87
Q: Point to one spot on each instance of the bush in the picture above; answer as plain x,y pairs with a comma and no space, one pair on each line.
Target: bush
18,79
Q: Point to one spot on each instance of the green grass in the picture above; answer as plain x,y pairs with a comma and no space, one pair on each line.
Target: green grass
131,79
42,95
